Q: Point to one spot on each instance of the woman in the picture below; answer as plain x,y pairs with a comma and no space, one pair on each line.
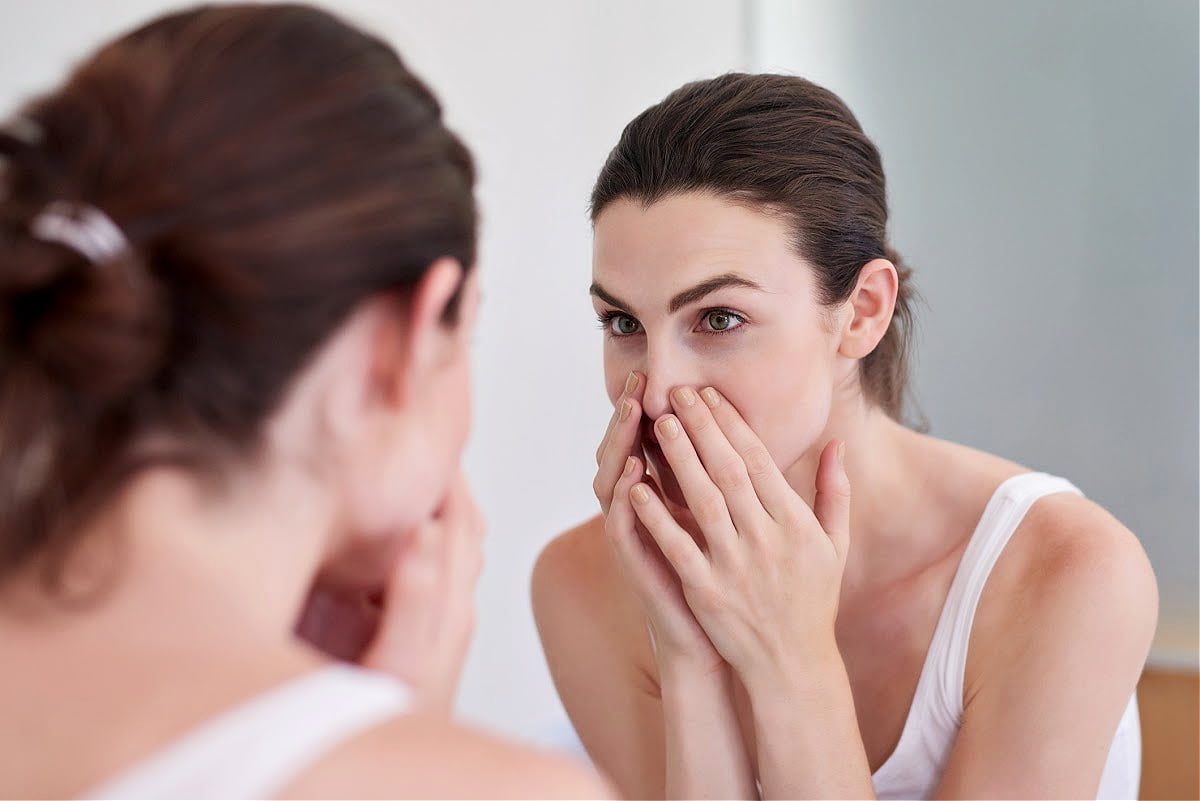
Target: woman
235,302
788,591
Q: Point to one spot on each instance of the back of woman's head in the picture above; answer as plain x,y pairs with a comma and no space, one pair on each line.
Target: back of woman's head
785,145
270,168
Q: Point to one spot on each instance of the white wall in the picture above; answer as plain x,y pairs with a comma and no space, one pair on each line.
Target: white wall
540,90
1042,167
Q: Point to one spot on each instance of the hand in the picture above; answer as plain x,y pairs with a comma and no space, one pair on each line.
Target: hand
675,634
419,627
766,588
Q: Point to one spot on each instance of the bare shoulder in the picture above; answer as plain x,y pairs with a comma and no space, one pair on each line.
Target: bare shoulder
416,756
577,554
576,574
1072,578
1069,548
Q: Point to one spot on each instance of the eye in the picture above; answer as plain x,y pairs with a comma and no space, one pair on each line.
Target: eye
620,325
718,321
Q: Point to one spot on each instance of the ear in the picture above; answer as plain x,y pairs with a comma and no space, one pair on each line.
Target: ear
870,308
419,340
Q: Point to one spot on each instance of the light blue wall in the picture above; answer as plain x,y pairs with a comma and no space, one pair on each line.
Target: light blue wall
1042,159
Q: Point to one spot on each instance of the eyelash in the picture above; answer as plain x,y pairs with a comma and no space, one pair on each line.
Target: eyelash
605,320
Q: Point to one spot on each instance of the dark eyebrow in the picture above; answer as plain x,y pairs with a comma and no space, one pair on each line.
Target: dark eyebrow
685,297
703,288
603,294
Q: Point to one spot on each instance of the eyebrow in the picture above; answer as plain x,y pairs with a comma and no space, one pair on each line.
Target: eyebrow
685,297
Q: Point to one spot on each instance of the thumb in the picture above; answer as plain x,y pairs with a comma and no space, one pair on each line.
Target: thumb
832,504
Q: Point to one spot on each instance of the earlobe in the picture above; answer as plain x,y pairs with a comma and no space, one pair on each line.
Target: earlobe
871,305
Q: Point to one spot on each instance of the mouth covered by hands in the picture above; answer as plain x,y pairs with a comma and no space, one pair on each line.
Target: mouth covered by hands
746,560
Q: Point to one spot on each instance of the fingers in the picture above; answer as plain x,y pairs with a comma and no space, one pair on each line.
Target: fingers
646,570
676,544
620,442
719,463
832,504
620,523
632,385
462,560
428,608
772,489
409,606
704,499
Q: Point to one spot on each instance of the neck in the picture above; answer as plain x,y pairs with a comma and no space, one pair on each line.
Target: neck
886,464
170,550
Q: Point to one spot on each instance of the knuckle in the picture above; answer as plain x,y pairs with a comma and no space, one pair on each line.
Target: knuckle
677,551
795,517
758,462
699,419
709,508
731,475
708,600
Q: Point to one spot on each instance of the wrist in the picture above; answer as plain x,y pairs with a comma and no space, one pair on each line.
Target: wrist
691,670
807,673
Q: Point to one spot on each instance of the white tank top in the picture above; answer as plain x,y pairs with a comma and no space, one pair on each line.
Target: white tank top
255,749
915,767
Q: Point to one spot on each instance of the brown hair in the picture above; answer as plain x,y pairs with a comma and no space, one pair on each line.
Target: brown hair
785,144
271,168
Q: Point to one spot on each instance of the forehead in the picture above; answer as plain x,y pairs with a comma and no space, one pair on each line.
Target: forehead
686,238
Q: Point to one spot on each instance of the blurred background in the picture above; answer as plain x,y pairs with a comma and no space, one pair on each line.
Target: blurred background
1043,174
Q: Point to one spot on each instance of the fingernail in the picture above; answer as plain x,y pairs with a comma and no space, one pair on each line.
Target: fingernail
631,383
669,426
629,463
626,408
685,397
710,397
841,454
640,494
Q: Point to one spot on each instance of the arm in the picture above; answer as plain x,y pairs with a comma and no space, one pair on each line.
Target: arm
809,745
765,590
677,739
705,754
1059,642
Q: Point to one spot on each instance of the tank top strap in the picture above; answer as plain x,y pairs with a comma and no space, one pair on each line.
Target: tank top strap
1001,518
257,748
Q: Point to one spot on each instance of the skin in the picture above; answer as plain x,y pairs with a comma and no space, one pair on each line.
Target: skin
761,587
353,519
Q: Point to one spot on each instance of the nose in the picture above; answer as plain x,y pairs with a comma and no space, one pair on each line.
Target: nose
664,372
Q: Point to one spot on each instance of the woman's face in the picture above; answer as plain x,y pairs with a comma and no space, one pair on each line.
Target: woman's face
695,290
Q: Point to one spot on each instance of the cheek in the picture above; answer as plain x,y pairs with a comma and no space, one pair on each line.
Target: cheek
786,401
462,407
617,367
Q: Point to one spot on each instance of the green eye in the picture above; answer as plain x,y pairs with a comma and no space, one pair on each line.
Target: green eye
624,325
718,321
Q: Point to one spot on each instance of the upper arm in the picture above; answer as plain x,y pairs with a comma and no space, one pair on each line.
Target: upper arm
598,652
1060,638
